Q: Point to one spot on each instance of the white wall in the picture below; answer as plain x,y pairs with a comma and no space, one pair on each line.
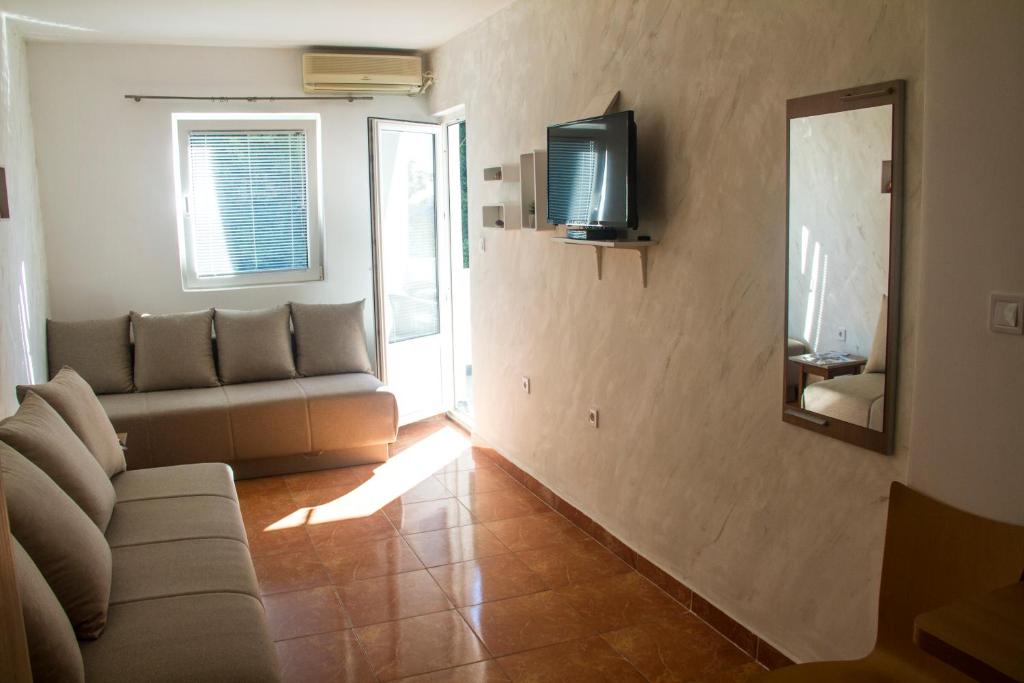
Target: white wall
968,438
22,259
692,465
107,185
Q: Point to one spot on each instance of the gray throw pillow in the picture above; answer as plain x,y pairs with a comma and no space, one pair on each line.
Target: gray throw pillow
68,549
253,346
174,351
71,397
52,648
98,350
40,434
330,339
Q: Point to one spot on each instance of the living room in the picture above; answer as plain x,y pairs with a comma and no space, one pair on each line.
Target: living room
367,397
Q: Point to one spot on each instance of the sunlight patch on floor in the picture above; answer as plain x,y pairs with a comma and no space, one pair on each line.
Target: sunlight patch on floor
399,474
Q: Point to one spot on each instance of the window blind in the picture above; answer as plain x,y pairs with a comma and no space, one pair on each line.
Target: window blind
248,208
573,173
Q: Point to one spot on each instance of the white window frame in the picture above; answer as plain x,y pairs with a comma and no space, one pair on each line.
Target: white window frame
182,125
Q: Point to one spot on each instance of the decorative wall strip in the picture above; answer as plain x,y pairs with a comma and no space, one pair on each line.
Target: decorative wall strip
736,632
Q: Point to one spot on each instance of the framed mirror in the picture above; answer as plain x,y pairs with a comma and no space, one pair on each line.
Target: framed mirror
844,231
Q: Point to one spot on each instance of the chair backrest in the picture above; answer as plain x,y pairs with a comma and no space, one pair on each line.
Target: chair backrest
936,554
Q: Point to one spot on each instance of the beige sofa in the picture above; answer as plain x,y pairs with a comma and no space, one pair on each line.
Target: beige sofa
139,575
257,396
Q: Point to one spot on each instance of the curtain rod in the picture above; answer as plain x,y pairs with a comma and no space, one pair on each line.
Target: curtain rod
252,98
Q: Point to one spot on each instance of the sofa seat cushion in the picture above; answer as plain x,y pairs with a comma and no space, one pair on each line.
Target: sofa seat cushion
188,567
173,427
268,419
219,637
62,541
98,350
850,398
204,479
353,409
38,432
174,519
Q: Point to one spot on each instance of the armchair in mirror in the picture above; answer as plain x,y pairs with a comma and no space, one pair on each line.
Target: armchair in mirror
844,218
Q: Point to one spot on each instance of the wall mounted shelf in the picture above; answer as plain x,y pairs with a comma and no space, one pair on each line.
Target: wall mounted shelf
493,216
533,190
505,173
599,246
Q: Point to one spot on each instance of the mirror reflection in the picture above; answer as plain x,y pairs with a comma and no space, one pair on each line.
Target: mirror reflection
839,236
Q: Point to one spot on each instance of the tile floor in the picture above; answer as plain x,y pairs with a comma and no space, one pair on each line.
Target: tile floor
437,566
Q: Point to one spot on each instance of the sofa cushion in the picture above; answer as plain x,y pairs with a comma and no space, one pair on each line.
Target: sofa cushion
329,338
39,433
850,398
173,519
174,351
173,427
65,545
349,410
876,359
70,395
52,649
98,350
190,566
205,479
268,419
254,346
219,637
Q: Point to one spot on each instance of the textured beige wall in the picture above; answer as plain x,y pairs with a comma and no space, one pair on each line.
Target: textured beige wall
22,260
968,439
692,465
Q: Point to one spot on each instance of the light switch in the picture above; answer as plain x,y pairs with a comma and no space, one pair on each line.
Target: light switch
1005,314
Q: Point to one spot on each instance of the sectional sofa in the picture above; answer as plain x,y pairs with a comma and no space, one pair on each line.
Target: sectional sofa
139,575
271,391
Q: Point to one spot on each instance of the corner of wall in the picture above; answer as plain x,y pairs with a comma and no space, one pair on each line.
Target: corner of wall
23,289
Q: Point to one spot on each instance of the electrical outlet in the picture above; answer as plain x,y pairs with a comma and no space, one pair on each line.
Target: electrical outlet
526,384
592,417
841,334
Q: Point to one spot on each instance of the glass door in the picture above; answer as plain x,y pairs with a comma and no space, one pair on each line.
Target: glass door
412,270
458,230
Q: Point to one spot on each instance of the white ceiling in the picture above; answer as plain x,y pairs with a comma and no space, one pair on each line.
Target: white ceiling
402,24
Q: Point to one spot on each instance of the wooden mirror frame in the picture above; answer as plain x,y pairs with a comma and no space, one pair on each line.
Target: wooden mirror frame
879,94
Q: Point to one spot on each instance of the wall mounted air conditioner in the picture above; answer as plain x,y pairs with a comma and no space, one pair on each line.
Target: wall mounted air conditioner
327,72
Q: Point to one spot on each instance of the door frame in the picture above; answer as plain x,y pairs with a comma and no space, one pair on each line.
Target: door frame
442,232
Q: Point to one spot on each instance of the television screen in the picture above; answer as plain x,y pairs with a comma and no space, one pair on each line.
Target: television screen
592,172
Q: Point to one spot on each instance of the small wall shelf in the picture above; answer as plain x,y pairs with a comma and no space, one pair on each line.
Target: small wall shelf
533,190
501,173
638,246
493,216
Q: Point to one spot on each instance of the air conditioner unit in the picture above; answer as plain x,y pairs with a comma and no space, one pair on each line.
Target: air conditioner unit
326,72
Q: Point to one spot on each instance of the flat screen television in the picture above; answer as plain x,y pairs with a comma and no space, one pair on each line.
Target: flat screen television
592,172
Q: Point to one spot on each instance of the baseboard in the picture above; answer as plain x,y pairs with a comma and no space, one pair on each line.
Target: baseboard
744,638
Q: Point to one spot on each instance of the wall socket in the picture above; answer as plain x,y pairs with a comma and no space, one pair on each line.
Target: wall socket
526,384
592,417
841,334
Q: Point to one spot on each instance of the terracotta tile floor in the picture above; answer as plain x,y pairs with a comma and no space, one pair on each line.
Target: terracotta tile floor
437,566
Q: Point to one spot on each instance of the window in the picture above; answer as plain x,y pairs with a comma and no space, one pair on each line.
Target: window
249,201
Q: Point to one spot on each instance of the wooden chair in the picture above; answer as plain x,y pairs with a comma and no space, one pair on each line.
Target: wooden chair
934,554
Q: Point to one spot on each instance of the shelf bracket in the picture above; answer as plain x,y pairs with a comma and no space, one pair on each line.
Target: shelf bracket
598,258
642,253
